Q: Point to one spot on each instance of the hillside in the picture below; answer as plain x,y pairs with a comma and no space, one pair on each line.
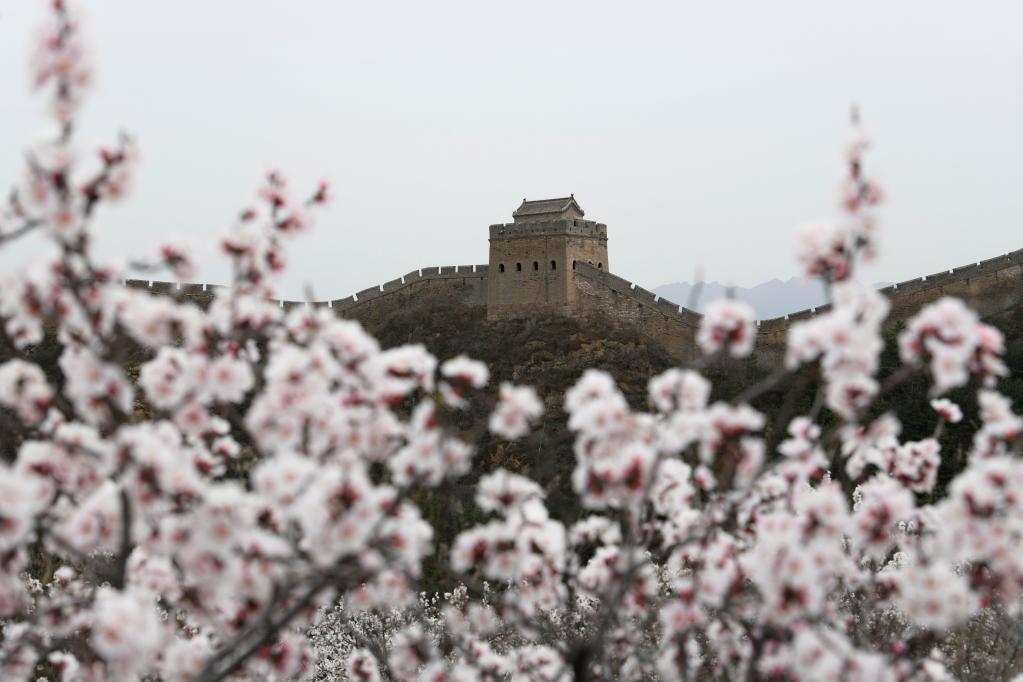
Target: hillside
551,354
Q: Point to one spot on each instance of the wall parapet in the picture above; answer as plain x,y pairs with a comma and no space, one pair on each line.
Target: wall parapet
648,299
569,227
894,292
446,272
1003,273
992,284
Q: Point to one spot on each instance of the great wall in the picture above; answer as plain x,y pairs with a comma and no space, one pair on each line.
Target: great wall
523,280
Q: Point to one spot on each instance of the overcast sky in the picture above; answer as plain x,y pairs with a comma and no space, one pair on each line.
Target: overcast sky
702,133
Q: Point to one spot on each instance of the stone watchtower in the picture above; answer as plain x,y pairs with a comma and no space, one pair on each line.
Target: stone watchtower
532,258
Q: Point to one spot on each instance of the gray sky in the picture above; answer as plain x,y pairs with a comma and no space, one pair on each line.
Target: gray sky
702,133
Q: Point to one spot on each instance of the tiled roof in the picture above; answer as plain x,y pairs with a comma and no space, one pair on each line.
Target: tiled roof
545,206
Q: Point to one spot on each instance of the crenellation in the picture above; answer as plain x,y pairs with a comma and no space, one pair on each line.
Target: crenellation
614,281
667,306
193,289
773,326
912,286
991,264
342,304
393,284
689,318
940,278
640,292
581,228
801,315
367,294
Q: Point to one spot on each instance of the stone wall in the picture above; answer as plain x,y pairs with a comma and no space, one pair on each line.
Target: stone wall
660,320
460,285
990,287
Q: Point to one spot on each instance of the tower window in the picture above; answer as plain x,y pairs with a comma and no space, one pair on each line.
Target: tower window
536,267
600,266
554,265
518,267
573,265
500,267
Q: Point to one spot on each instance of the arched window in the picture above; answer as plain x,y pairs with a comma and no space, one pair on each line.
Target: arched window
600,266
573,265
518,267
554,265
500,267
536,266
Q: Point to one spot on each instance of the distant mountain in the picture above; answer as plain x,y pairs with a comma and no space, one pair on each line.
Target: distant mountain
773,298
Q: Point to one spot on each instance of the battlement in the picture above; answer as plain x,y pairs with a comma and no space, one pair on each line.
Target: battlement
203,293
550,228
640,296
944,283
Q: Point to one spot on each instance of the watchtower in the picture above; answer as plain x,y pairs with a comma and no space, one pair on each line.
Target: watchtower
532,258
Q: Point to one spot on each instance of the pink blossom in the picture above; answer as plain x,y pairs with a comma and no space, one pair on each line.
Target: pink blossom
1001,426
824,252
24,389
933,595
881,504
727,325
126,630
184,659
362,665
678,389
915,465
229,379
179,258
471,372
94,525
519,406
948,410
283,478
95,388
955,343
727,423
22,497
504,492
